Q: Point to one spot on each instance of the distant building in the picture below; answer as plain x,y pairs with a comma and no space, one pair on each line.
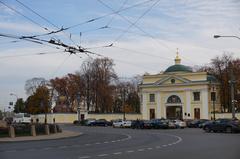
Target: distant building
179,93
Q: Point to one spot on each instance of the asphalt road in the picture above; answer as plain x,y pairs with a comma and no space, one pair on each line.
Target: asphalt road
114,143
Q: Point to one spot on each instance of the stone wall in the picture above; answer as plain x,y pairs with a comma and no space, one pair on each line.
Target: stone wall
70,117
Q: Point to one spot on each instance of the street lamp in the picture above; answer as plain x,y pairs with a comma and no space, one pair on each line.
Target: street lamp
231,36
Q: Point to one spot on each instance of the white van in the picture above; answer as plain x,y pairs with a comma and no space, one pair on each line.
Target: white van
22,118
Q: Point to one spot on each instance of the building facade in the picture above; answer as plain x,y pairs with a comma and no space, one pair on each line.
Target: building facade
179,93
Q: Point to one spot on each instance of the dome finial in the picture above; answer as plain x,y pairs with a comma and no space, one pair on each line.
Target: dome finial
177,59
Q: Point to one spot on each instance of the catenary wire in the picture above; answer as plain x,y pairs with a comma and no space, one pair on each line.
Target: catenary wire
24,16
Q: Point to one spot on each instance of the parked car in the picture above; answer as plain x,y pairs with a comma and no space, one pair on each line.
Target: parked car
147,124
118,123
88,122
127,123
180,124
171,124
159,124
223,125
100,122
195,123
201,125
137,124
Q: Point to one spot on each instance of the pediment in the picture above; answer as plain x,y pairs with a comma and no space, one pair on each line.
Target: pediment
169,79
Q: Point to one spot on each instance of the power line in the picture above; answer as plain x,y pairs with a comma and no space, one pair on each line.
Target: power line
42,17
24,15
110,21
132,24
36,13
143,53
146,33
32,54
103,16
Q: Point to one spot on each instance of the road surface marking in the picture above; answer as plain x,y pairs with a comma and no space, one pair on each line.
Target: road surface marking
130,151
117,153
141,150
102,155
84,157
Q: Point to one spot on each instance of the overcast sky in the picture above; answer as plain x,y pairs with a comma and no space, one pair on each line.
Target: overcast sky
150,45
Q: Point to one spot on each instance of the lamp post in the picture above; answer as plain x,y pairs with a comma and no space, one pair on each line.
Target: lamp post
232,80
78,108
213,99
228,36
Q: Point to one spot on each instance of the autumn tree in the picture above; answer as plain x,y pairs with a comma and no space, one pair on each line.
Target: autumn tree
220,67
39,102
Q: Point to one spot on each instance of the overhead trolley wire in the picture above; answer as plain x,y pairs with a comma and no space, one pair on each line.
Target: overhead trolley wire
42,17
32,54
24,16
103,16
132,24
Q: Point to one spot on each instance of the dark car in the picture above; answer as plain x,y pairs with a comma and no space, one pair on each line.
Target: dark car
204,123
195,123
100,122
223,125
159,124
147,124
137,124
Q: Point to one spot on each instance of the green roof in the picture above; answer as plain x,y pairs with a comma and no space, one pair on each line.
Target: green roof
178,68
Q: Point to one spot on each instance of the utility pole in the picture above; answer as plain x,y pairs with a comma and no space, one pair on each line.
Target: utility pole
124,113
232,82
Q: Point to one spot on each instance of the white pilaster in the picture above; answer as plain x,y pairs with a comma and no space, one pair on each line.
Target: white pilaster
188,105
205,112
159,107
144,106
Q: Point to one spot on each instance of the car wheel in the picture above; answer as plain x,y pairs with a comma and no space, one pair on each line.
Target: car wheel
228,130
207,129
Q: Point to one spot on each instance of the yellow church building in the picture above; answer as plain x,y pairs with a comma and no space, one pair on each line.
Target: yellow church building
179,93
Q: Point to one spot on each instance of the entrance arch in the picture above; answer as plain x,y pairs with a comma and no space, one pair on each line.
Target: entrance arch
174,107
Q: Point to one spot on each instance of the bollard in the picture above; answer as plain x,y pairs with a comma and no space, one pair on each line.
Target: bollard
55,128
47,129
11,131
33,130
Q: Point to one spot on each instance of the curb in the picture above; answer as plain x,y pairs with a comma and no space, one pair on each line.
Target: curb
63,135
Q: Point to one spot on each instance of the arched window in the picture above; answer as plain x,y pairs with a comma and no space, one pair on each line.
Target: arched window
174,99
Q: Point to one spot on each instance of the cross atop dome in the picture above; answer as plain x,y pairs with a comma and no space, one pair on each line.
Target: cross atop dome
177,59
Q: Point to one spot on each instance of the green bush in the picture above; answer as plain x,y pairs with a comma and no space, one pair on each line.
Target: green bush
22,129
4,132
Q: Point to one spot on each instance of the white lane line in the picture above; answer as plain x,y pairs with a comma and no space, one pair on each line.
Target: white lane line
113,141
164,145
117,153
97,143
102,155
130,151
106,142
87,144
141,150
84,157
149,148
